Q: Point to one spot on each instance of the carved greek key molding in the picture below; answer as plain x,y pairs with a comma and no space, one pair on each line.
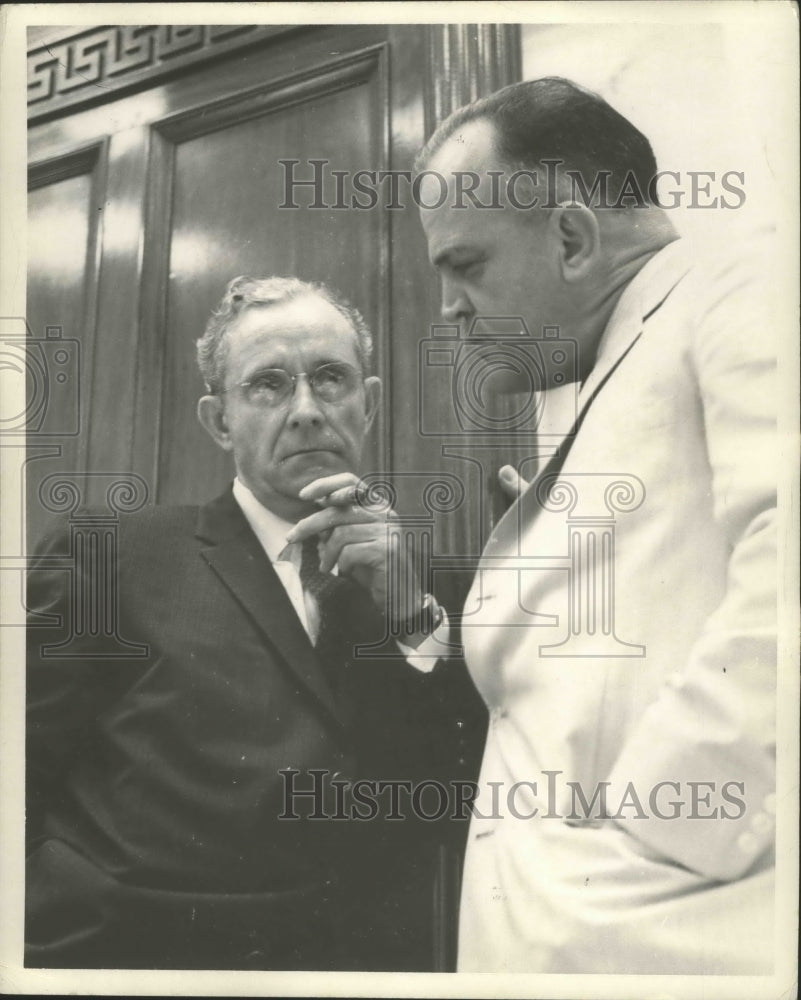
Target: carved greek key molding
90,65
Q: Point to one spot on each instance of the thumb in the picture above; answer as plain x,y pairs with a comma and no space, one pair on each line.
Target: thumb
511,482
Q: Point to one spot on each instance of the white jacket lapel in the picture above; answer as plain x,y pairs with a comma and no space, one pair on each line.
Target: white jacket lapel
644,295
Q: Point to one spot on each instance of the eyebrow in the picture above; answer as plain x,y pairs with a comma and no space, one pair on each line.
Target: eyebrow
322,359
453,250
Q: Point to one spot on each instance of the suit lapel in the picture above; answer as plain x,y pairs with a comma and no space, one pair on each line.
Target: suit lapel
643,297
235,555
645,294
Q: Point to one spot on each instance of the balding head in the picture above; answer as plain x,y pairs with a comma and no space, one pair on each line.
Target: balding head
511,239
539,124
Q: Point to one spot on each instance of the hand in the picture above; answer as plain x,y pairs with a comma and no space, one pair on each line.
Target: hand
362,540
512,483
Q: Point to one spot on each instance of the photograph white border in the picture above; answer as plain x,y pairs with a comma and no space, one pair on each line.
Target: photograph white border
775,32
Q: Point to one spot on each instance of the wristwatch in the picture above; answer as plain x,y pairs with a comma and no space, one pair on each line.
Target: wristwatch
426,619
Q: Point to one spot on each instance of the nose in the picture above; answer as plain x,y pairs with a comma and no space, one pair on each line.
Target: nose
455,306
304,407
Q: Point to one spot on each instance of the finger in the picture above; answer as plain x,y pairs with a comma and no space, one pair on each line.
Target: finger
396,592
370,546
359,496
314,524
340,498
372,534
331,517
358,557
512,483
322,487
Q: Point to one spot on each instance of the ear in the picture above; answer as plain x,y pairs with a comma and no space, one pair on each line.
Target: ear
372,399
211,414
578,236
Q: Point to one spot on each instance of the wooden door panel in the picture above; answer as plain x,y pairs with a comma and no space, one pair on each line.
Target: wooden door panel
58,235
226,191
63,254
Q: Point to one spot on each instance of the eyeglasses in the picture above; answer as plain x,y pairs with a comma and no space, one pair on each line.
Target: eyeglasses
330,383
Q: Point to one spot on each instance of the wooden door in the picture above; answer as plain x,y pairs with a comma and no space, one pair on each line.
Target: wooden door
156,176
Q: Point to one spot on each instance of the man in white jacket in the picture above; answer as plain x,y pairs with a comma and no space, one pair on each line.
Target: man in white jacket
621,627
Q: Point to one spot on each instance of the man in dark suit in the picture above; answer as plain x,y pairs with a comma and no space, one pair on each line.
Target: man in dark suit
153,784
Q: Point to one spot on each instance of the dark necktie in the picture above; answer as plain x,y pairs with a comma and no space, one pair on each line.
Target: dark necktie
334,596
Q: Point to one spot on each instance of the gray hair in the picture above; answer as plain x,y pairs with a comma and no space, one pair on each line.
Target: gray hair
244,292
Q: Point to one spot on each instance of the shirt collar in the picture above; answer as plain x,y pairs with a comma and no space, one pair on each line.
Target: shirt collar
270,530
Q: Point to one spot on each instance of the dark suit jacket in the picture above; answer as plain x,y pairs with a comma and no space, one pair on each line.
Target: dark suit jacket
153,781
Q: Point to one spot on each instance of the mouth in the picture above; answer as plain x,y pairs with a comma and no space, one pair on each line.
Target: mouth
311,453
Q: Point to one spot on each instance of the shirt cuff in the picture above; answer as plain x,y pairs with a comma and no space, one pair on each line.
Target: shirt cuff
433,648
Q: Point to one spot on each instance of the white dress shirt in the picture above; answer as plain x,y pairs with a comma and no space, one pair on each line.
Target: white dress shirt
271,532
